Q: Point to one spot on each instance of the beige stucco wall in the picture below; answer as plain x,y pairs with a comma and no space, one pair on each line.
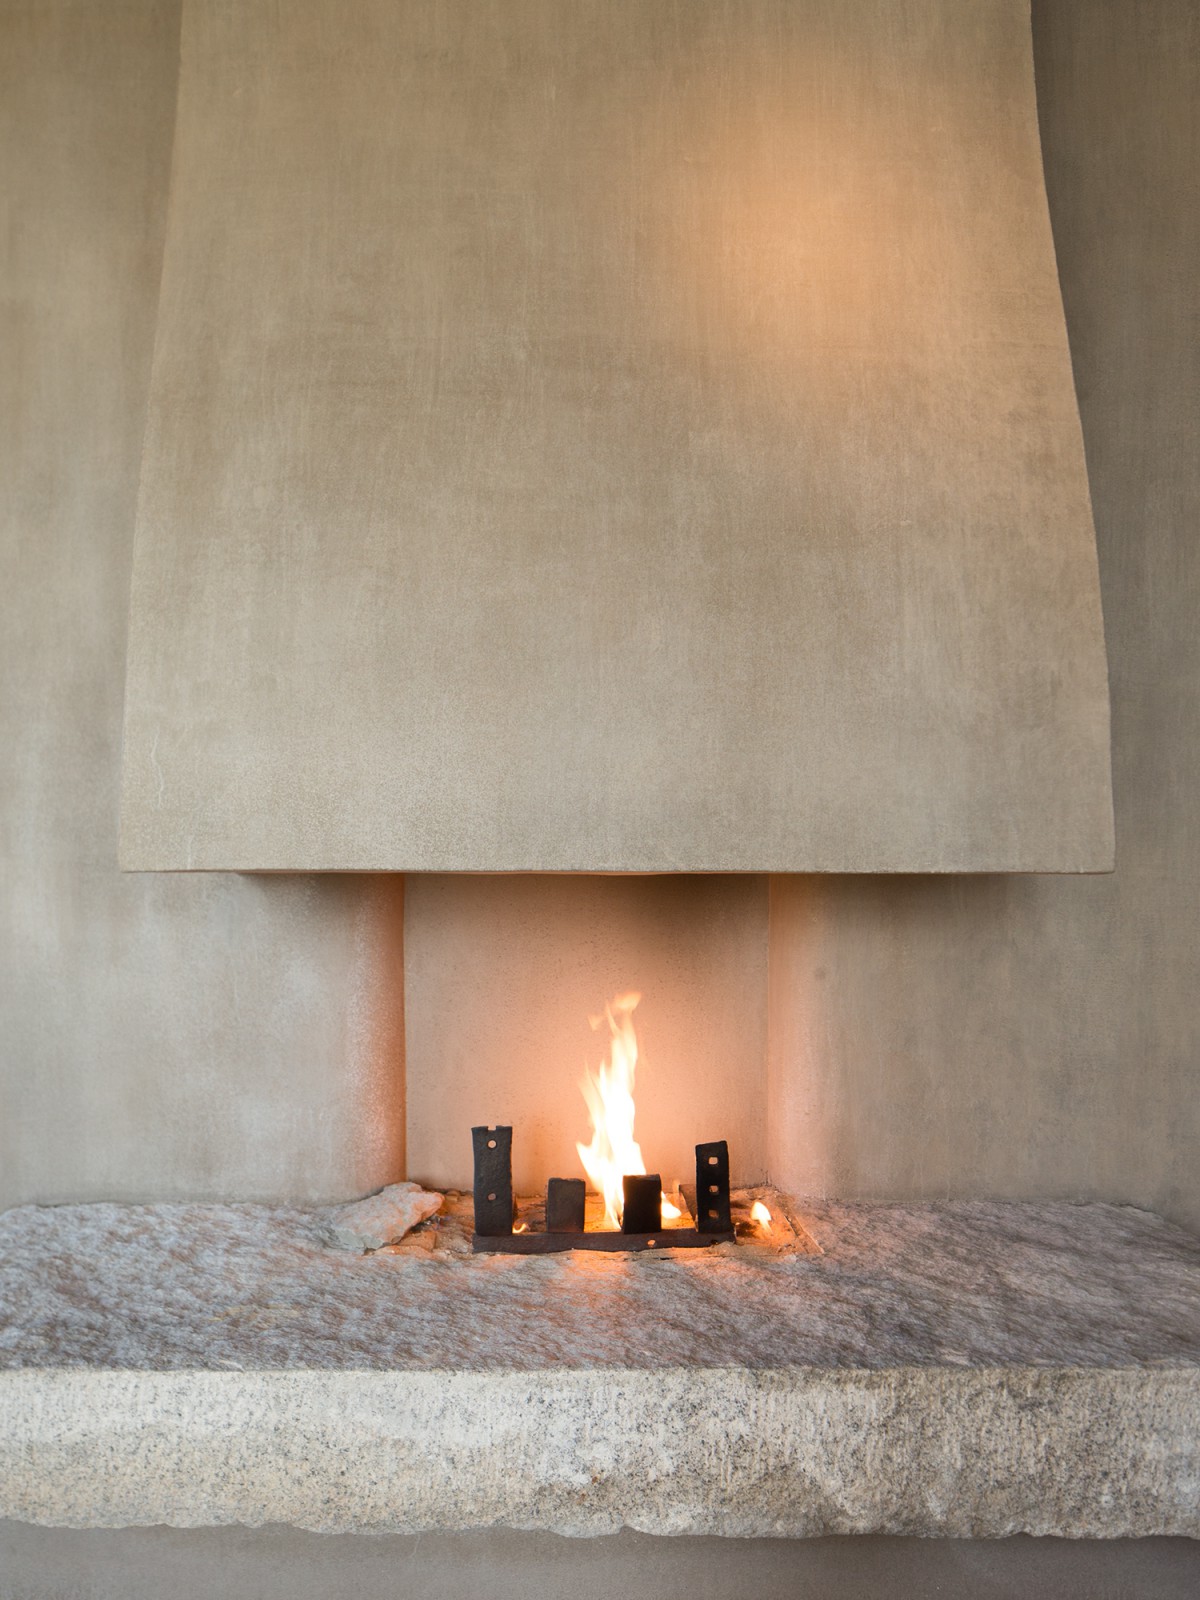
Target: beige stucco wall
170,1036
608,435
223,1035
1031,1036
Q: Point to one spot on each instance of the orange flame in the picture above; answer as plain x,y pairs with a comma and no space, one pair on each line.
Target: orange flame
608,1092
760,1214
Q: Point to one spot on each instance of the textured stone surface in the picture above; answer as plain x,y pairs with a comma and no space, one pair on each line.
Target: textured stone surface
382,1218
966,1369
976,1284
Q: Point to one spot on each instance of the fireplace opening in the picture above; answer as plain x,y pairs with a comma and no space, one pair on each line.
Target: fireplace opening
629,1208
519,996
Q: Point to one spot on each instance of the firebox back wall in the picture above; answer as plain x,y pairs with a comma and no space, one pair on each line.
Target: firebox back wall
219,1036
501,974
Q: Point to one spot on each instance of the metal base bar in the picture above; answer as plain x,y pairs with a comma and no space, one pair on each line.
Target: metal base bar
540,1244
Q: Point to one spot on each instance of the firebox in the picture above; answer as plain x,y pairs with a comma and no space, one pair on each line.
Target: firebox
630,1210
647,1222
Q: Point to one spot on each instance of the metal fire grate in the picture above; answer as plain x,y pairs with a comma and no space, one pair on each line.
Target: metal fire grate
641,1225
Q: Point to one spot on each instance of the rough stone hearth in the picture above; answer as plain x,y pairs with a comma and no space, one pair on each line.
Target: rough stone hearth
969,1369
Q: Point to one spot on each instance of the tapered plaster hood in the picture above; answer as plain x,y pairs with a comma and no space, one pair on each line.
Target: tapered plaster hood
613,435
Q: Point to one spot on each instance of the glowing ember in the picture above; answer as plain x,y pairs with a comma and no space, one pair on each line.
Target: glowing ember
613,1151
760,1214
670,1213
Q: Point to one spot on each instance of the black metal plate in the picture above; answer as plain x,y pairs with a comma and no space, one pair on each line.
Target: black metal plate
566,1199
712,1188
493,1181
643,1203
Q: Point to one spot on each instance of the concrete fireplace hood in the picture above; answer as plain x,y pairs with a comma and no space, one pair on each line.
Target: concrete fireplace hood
596,435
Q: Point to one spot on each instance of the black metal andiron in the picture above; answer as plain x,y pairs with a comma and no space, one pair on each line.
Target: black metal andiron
641,1222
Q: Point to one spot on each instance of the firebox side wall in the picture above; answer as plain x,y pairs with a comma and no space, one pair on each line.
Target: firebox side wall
1032,1036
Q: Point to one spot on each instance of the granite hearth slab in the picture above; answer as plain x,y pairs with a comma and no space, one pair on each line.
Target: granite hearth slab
962,1369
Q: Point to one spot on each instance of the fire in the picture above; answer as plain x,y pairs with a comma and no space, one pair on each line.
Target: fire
760,1214
608,1092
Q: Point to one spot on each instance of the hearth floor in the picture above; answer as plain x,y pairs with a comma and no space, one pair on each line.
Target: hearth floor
969,1368
243,1286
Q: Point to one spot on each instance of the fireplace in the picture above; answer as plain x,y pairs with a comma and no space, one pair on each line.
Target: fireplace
507,1357
717,617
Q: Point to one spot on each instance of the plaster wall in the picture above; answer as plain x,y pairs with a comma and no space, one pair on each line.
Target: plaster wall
600,435
1041,1036
286,1564
166,1036
241,1037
